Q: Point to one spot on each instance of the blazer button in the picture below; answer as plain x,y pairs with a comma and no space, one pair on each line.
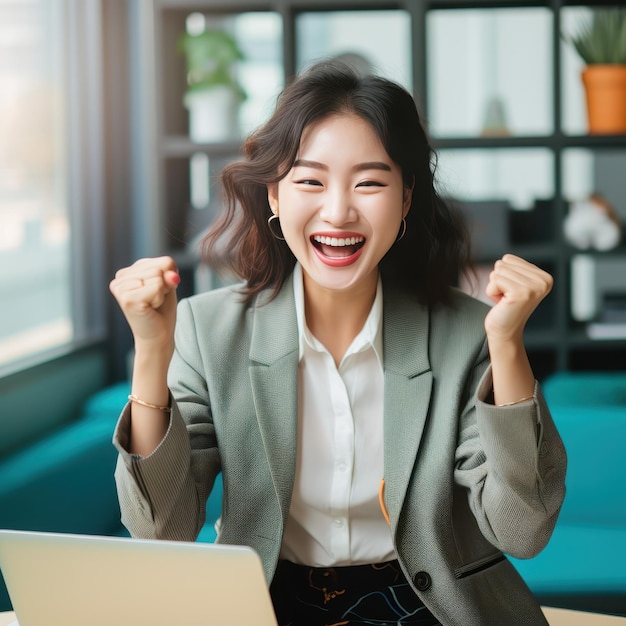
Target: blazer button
423,581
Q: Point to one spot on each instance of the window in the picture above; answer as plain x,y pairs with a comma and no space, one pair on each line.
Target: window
478,82
355,38
47,168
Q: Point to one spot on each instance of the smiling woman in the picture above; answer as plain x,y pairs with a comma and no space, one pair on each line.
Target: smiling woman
435,248
381,437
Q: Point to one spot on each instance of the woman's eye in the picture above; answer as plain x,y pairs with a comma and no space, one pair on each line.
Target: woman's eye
309,181
370,183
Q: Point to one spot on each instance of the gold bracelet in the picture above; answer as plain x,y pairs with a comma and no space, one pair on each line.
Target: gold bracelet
134,398
517,401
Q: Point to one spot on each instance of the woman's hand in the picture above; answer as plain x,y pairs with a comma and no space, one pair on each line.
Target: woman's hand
516,287
146,293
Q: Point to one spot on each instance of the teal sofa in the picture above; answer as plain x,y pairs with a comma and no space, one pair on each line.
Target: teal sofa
64,482
584,564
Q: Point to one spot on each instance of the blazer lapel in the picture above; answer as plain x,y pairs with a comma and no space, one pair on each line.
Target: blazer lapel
274,378
408,387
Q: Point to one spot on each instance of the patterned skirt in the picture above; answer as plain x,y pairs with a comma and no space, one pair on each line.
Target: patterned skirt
377,594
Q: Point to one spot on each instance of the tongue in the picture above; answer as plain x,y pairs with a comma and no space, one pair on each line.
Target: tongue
338,252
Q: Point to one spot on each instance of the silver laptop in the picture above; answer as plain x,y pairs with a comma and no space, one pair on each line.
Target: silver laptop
79,580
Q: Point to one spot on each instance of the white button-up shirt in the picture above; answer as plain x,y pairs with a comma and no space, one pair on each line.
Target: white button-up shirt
335,516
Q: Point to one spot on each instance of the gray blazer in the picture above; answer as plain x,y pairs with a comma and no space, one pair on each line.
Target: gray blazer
465,481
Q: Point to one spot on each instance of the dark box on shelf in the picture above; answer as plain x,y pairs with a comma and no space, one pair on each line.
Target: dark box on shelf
535,225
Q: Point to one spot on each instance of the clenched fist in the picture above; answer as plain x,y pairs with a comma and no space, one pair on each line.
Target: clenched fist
516,287
146,293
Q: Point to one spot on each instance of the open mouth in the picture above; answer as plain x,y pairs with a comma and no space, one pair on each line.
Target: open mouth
337,247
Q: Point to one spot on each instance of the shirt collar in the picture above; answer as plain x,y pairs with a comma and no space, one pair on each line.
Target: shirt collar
370,335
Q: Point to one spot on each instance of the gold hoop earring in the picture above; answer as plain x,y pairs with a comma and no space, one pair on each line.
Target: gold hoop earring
402,232
270,224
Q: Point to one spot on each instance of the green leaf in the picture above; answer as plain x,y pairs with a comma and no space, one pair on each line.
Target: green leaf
210,60
602,40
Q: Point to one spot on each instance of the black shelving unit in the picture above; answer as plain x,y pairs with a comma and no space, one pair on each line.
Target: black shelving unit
554,340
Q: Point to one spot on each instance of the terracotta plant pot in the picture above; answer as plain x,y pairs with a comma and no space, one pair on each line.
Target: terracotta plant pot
605,89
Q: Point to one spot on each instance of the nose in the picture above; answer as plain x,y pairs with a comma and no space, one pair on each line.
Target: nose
337,208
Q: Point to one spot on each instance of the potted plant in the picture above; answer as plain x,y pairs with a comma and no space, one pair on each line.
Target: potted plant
601,43
213,92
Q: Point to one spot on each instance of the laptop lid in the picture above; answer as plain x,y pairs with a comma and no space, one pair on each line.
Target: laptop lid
74,580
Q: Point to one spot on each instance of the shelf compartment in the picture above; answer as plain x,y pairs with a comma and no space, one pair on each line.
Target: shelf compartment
473,58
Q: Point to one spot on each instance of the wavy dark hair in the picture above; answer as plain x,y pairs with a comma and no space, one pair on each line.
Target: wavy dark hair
435,249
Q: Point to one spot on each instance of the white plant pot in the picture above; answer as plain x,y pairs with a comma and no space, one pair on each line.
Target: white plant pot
213,114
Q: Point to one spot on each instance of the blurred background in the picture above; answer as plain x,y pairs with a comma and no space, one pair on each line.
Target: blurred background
116,117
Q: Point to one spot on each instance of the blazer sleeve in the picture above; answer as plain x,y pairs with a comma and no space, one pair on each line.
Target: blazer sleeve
163,495
512,462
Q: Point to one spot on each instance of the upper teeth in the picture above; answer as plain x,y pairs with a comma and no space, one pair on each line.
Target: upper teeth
338,241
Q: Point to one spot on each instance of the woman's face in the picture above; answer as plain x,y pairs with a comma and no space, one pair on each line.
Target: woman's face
341,204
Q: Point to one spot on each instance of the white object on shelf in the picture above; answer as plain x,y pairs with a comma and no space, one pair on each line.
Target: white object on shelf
598,282
589,225
583,288
213,114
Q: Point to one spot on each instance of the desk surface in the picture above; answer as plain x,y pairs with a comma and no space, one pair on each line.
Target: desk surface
564,617
6,618
556,617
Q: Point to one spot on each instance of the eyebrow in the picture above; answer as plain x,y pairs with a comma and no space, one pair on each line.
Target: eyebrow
369,165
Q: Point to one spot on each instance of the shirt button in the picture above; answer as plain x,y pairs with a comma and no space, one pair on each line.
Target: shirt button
342,467
422,581
338,523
